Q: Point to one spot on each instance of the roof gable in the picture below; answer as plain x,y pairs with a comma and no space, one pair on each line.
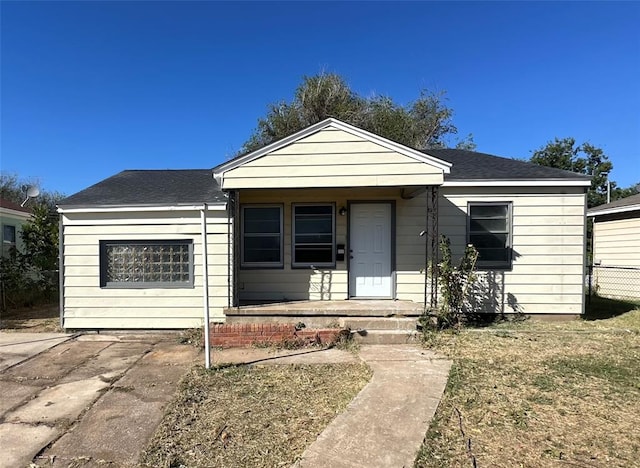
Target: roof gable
332,154
334,124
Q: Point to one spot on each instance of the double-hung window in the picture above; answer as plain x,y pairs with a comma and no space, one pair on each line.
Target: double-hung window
146,263
262,236
313,235
490,233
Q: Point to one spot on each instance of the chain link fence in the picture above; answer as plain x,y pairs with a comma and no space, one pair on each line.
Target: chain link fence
614,282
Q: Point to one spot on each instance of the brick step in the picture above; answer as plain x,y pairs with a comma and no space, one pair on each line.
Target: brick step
385,337
375,323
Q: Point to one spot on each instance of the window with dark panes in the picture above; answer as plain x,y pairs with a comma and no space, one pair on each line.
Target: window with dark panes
313,235
490,233
262,236
146,264
8,234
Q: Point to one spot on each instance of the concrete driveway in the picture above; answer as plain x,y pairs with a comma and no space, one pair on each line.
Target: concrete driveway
85,400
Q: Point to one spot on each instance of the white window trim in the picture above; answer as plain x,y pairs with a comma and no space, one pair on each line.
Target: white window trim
258,265
331,264
491,265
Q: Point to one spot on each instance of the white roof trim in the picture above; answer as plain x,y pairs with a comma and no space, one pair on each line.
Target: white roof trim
18,214
618,209
128,209
518,183
337,124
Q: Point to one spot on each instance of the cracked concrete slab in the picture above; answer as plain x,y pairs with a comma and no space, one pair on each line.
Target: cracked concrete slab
55,364
62,402
14,393
17,347
117,427
21,442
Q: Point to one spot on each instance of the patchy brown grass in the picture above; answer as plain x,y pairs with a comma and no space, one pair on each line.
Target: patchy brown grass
258,416
540,394
37,319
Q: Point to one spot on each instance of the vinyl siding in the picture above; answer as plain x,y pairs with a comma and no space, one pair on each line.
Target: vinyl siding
332,284
548,248
616,243
87,305
547,236
332,158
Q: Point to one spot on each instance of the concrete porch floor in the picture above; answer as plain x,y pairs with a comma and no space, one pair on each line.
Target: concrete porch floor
319,314
347,308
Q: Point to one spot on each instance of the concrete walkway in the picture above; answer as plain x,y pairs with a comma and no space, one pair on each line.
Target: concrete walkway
90,401
383,427
386,422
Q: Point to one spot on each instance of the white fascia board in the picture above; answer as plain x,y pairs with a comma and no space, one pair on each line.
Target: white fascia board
129,209
518,183
619,209
18,214
334,123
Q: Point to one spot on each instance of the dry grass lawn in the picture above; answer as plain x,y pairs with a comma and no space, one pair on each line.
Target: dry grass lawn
537,394
258,416
37,319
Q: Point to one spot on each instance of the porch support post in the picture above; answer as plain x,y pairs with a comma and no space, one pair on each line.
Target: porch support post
432,247
236,246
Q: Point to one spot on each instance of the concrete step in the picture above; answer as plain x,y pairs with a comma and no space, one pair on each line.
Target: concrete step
385,337
378,323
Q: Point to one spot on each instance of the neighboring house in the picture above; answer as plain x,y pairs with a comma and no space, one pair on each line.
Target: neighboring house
12,217
616,248
331,213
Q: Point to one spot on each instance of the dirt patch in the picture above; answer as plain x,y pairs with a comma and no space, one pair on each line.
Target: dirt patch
258,416
538,394
41,319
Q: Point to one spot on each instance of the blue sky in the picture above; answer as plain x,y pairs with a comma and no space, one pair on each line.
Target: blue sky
92,88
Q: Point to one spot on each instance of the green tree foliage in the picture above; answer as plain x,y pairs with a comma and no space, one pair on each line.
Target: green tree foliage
14,189
583,159
424,123
40,238
30,277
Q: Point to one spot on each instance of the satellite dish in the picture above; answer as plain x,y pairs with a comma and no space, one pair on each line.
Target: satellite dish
32,192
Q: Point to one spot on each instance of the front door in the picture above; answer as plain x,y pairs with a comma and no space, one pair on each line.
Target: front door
370,250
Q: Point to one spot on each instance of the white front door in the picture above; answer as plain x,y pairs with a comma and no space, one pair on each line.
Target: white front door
370,250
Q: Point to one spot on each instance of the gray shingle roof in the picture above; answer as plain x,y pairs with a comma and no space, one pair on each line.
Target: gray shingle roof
194,186
150,187
631,202
471,165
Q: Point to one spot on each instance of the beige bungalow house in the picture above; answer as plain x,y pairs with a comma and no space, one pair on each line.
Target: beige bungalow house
329,221
616,248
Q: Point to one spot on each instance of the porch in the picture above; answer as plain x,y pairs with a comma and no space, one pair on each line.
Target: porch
356,314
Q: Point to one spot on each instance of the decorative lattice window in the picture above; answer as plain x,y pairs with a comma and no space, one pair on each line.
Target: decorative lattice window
146,264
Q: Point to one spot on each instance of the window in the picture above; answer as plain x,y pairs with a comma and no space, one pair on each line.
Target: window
313,235
262,236
8,234
490,233
146,264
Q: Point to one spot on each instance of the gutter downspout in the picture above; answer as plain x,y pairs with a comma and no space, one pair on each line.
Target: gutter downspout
61,268
205,287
